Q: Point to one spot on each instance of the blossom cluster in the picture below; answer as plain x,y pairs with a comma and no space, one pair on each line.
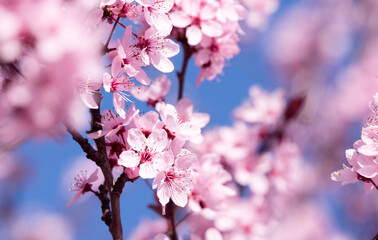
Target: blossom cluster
247,174
210,29
363,157
42,60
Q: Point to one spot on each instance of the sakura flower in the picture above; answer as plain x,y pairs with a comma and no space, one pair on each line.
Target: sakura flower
156,49
347,175
147,123
181,122
202,14
128,57
213,53
82,185
155,92
118,83
87,90
210,189
262,107
177,180
113,124
156,14
145,152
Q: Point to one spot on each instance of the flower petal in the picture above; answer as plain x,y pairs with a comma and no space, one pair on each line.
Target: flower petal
129,159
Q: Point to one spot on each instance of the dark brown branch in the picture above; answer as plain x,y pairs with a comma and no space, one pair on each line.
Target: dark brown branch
181,75
105,205
92,154
120,183
116,224
111,216
110,35
171,217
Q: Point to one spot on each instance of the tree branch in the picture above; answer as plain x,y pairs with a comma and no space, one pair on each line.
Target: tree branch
181,75
116,224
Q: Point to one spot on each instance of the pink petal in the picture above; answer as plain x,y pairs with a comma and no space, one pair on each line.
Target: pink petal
88,100
200,119
116,67
368,171
147,170
140,92
185,108
159,179
129,159
148,121
136,139
211,28
164,6
130,70
162,63
161,22
93,177
142,77
180,19
179,197
369,150
144,56
74,199
213,234
119,105
157,141
185,161
126,39
161,86
164,193
107,81
194,35
170,48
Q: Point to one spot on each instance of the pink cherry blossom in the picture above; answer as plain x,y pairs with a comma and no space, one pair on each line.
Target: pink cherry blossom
129,58
177,180
182,122
118,83
156,14
145,152
82,185
210,189
155,92
87,91
156,49
199,18
262,107
113,124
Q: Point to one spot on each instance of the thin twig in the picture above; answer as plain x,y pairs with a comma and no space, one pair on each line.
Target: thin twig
181,75
111,34
171,218
116,224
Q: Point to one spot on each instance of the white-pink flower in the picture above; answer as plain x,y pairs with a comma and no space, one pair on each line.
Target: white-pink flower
177,180
82,185
155,92
156,14
262,107
129,58
145,152
156,49
113,124
118,83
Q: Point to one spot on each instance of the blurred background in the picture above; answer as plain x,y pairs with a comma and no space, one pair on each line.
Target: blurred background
324,49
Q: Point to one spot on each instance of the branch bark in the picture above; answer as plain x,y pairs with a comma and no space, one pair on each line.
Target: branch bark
181,75
111,218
